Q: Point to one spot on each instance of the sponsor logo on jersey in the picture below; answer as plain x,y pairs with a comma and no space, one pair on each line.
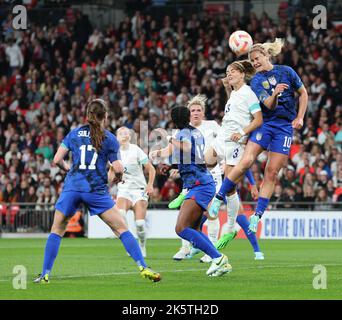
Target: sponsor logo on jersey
272,80
258,136
265,84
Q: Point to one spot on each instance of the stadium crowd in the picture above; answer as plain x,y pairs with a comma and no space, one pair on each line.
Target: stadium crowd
144,68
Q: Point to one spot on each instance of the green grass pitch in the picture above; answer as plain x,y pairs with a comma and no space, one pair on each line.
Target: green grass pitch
100,269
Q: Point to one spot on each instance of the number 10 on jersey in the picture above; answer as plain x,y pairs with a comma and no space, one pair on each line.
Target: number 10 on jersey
84,148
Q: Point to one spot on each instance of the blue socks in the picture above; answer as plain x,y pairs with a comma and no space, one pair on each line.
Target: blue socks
261,206
200,241
51,250
227,185
132,247
244,224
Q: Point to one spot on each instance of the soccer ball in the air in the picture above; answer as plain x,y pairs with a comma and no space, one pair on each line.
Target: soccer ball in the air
240,42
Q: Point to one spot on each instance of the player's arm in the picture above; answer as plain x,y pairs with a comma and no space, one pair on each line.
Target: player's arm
254,189
227,87
115,171
58,159
151,176
272,101
256,123
303,104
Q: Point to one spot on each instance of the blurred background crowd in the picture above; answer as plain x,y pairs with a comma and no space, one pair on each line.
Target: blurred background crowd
142,69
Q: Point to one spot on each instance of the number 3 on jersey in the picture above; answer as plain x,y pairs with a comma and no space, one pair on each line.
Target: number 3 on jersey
91,166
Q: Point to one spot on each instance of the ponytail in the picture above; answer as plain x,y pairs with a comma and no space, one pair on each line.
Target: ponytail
268,48
96,113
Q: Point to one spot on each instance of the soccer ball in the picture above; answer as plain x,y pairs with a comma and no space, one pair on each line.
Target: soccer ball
240,42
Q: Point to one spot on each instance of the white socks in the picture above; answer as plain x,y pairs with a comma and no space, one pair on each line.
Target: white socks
185,244
140,224
213,229
233,206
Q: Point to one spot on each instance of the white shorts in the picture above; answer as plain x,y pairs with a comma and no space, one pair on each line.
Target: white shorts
133,195
229,150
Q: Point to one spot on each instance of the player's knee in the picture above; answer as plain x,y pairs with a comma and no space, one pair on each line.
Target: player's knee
271,173
179,228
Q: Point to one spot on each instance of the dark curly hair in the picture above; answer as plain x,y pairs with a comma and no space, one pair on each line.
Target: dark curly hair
180,117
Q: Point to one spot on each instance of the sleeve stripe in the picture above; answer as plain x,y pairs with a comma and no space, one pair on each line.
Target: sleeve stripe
143,161
254,108
64,146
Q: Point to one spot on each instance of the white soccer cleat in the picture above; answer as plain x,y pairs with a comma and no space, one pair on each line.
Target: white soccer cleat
219,266
259,256
181,254
193,252
205,259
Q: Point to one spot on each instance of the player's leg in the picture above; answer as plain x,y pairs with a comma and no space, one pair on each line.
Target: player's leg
66,207
140,208
116,222
274,163
188,224
233,205
124,203
249,156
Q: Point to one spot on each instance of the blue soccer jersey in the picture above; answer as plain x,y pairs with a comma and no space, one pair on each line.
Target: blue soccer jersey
88,172
263,84
191,166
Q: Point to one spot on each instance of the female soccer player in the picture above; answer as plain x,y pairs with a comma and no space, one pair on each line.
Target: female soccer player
92,147
187,149
242,116
275,87
209,130
133,192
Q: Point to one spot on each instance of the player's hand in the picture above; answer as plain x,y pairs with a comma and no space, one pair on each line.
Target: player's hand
149,190
66,167
280,88
174,173
225,82
297,123
254,192
153,155
235,137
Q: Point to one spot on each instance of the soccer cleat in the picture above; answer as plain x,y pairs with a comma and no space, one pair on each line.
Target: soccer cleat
225,269
253,223
225,239
205,259
218,264
148,273
181,254
176,203
259,256
42,279
214,207
193,252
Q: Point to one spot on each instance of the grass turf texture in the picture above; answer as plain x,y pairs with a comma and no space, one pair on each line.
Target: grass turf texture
100,269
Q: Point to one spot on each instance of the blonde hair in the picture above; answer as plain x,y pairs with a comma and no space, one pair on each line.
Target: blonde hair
244,66
199,99
268,48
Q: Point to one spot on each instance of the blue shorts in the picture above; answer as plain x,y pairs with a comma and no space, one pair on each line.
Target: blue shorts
274,137
69,201
202,194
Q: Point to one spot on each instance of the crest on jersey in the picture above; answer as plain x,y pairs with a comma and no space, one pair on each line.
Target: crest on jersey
266,85
258,136
272,80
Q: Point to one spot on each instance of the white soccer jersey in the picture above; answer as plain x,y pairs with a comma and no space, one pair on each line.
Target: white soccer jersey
240,107
132,159
210,129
